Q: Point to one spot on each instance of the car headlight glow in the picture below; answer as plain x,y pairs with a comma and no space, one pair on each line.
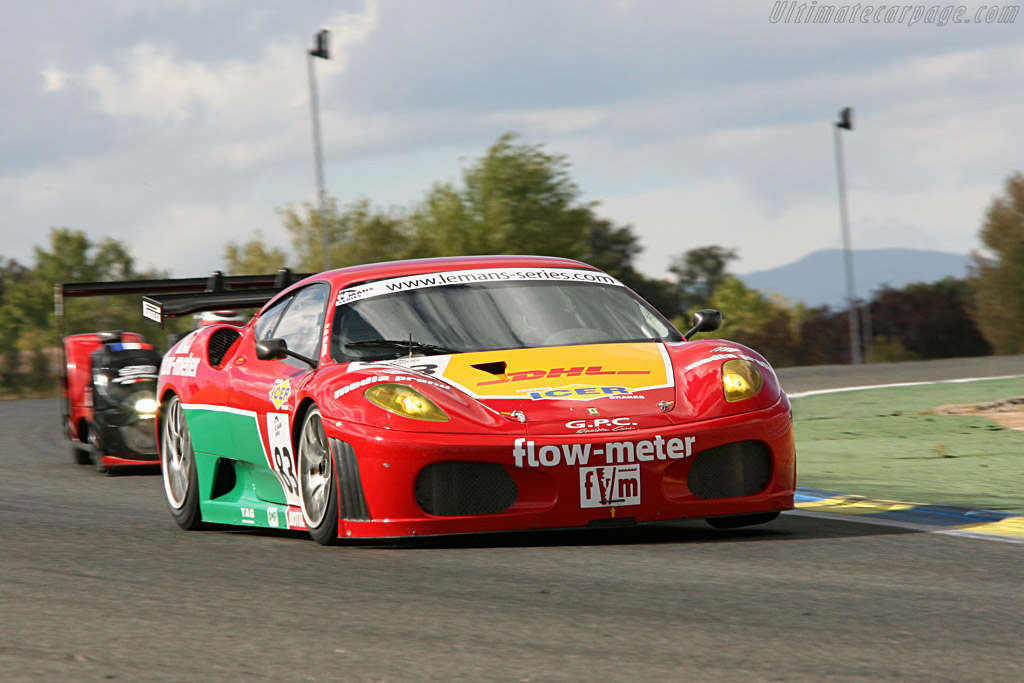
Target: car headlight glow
405,401
146,406
741,380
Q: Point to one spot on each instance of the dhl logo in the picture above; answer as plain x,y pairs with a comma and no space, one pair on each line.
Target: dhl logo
577,371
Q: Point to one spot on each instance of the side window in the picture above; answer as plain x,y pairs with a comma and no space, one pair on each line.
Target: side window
300,325
265,325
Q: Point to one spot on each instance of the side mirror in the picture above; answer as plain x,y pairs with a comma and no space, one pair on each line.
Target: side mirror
271,349
276,349
704,320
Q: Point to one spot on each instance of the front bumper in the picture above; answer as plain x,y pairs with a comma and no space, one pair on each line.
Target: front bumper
125,438
739,464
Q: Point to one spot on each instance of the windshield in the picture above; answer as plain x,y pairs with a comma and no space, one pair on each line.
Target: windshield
125,373
486,316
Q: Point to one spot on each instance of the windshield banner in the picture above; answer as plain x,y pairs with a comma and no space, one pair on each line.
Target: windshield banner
461,277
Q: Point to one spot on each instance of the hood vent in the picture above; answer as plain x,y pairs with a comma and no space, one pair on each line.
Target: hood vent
495,367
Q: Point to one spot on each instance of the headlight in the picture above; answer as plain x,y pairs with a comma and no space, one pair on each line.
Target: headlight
741,379
146,406
405,401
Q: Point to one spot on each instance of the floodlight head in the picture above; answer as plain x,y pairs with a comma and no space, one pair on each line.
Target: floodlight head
323,45
845,119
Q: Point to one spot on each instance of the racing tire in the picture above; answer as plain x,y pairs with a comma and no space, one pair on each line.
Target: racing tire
95,452
737,521
318,486
178,466
80,453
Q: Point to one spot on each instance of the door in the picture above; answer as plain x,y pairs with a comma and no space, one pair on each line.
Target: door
266,390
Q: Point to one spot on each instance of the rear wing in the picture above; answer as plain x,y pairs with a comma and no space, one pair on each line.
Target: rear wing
188,294
214,293
178,296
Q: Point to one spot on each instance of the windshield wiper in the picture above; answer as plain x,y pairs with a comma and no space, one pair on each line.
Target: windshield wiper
409,344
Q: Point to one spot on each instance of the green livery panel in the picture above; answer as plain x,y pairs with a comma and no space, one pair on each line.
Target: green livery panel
236,486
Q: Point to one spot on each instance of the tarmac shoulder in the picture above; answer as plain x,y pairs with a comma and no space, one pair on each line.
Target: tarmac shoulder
995,525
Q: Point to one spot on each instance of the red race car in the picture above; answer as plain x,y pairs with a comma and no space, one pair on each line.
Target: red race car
109,381
109,378
469,394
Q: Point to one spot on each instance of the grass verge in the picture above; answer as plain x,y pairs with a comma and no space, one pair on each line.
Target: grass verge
880,443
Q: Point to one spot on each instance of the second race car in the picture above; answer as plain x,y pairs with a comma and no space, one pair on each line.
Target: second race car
109,381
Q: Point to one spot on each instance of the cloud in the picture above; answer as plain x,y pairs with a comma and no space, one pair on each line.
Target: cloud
158,85
181,124
541,122
54,80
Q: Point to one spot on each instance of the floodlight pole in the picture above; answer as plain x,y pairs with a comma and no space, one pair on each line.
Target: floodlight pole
321,50
846,123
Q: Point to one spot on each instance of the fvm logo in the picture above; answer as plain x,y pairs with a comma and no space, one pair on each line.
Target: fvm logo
609,486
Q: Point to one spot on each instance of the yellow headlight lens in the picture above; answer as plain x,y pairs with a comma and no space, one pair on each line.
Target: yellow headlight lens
741,379
405,401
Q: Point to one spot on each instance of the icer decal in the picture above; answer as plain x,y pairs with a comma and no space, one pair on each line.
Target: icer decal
281,392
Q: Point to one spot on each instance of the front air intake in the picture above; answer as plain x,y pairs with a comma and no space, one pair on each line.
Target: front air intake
736,469
450,489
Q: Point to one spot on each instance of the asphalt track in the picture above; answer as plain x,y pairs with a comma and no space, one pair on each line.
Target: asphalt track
99,584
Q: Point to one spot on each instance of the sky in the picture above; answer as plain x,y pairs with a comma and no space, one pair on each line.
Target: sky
177,126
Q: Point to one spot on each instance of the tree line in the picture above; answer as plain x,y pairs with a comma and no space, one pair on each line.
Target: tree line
521,199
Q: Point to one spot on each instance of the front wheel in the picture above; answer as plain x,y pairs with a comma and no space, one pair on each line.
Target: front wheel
318,490
178,465
80,453
95,451
737,521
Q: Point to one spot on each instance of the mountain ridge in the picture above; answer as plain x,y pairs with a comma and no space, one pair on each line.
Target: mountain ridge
819,278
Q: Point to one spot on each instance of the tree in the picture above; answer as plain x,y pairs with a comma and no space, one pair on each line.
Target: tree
823,336
11,273
27,319
373,235
926,321
612,249
358,234
253,257
998,280
699,272
751,318
516,199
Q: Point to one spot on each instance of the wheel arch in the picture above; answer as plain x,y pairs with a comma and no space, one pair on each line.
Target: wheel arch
166,396
303,408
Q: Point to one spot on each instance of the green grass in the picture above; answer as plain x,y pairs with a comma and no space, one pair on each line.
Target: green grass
877,443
